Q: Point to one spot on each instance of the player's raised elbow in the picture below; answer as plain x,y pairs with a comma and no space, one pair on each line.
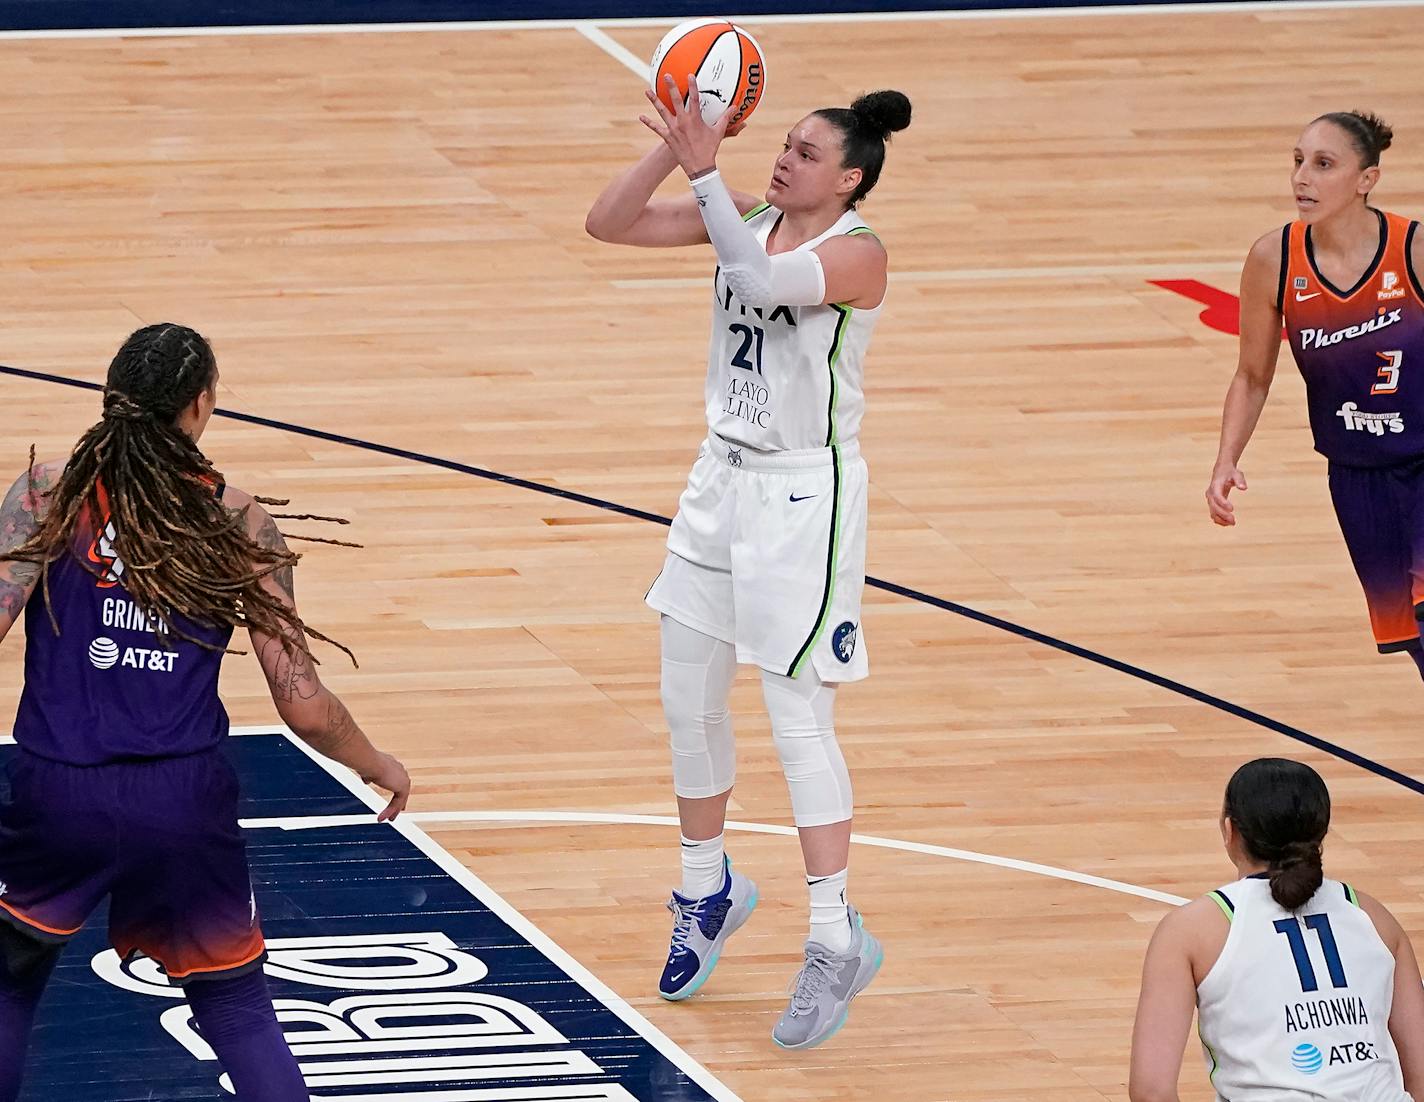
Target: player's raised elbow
598,227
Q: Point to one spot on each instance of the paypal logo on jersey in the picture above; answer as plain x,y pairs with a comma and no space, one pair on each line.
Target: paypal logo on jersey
1306,1059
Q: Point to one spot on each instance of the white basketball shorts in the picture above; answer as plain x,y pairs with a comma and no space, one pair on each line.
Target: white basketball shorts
767,552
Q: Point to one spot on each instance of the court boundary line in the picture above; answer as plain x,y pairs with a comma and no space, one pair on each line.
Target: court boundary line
987,619
935,16
601,818
487,896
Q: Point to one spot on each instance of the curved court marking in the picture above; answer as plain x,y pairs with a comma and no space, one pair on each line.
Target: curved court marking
554,818
1389,773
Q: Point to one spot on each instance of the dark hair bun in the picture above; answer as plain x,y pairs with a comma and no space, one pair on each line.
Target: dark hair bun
1381,133
883,112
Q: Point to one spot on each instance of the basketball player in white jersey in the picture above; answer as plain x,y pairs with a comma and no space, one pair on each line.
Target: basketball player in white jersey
766,557
1306,990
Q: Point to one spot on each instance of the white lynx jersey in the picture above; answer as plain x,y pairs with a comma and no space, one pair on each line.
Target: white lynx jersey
787,378
1296,1008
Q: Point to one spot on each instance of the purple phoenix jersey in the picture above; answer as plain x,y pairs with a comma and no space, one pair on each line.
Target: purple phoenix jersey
1360,349
113,685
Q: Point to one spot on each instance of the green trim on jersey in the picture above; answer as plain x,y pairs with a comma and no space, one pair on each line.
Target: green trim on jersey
837,341
1351,896
755,211
860,230
1222,902
1215,1064
832,558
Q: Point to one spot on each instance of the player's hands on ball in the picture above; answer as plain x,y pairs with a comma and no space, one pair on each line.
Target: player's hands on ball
691,140
390,774
1226,476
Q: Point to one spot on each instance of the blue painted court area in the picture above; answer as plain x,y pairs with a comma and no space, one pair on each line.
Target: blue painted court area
396,975
82,14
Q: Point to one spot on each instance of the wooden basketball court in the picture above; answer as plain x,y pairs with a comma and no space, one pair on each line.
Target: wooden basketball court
382,235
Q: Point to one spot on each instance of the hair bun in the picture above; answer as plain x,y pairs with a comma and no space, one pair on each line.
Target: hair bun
1381,133
884,112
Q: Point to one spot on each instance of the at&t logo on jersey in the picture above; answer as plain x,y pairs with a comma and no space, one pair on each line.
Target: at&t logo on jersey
1322,338
1306,1058
104,654
1374,423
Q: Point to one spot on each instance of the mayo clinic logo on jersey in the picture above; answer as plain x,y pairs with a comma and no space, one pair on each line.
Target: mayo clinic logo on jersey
843,641
105,654
1391,288
1306,1059
1373,423
1320,338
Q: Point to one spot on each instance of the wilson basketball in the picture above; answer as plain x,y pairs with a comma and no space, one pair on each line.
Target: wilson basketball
725,59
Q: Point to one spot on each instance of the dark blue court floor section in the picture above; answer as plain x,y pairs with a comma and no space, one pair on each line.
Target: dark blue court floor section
78,14
395,983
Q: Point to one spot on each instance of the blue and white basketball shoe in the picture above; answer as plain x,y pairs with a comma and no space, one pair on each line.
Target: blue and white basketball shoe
700,929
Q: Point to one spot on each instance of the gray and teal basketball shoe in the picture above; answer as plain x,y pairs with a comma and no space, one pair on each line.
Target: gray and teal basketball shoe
825,986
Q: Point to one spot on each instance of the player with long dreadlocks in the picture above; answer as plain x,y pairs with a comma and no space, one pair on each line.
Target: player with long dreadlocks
145,562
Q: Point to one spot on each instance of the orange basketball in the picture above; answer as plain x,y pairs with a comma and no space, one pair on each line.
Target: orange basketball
725,59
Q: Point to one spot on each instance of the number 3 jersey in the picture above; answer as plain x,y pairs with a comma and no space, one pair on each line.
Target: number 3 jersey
1296,1008
787,378
1360,349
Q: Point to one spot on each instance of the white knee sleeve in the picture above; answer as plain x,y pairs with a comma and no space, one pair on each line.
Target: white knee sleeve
697,675
802,714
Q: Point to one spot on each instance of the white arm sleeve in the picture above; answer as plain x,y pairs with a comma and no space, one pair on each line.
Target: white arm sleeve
787,279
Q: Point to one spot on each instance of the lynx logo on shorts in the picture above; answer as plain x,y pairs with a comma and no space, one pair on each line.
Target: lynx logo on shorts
843,641
1373,423
1391,288
734,456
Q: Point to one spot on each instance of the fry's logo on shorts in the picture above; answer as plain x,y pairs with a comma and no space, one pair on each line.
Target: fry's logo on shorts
104,654
1373,423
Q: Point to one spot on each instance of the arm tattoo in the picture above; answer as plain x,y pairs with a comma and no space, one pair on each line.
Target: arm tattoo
20,517
292,675
340,728
270,538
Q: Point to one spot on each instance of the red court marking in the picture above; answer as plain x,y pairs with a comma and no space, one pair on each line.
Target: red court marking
1223,309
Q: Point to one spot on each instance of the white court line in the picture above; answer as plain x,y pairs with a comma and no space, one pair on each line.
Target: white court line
517,922
979,275
369,798
1256,6
614,49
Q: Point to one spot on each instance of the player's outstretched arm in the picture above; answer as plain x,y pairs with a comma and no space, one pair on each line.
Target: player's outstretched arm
1406,1015
1255,368
314,713
627,214
20,518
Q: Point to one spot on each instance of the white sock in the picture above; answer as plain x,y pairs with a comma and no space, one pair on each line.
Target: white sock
702,867
830,924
